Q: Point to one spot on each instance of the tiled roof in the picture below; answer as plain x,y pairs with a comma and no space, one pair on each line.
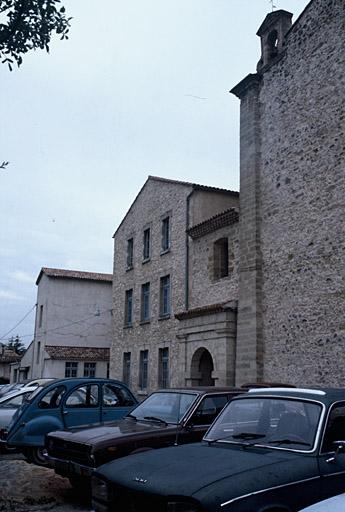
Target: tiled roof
196,186
205,310
78,353
220,220
74,274
9,356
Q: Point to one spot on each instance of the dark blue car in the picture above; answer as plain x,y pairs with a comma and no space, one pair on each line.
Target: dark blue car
63,404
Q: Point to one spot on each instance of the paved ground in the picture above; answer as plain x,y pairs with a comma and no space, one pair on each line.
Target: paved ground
29,488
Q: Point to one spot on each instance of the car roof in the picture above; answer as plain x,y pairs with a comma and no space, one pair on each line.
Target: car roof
201,389
325,395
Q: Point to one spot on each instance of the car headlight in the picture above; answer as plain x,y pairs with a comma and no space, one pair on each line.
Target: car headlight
181,506
99,489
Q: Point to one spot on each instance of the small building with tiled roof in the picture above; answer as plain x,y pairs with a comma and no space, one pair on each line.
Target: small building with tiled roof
7,357
73,326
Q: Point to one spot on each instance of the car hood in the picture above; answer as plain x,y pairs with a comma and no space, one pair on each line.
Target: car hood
110,431
198,469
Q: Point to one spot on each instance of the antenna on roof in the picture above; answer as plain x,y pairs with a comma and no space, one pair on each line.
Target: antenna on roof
272,4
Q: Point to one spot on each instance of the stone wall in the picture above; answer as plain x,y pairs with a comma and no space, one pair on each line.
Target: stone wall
155,200
204,288
302,100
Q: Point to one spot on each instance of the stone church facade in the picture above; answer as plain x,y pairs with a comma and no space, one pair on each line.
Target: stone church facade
292,182
256,281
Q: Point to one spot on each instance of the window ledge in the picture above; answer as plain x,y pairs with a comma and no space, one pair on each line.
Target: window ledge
129,268
146,260
144,322
164,317
128,326
165,251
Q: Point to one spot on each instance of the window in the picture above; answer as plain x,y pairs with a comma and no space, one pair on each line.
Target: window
71,369
163,368
52,399
145,302
221,258
164,302
38,352
166,234
129,308
130,247
126,368
147,244
84,396
40,319
14,402
89,369
116,396
143,367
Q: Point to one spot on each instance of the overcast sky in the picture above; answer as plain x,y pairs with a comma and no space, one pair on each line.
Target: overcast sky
141,87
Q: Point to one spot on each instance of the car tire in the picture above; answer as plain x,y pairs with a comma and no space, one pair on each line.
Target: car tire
35,456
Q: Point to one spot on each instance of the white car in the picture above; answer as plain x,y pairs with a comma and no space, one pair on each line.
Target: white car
334,504
10,402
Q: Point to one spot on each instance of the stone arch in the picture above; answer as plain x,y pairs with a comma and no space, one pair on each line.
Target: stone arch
201,368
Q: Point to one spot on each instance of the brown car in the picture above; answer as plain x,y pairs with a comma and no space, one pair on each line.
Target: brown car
166,417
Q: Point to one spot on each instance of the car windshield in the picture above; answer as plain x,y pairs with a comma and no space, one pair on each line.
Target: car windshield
168,407
277,422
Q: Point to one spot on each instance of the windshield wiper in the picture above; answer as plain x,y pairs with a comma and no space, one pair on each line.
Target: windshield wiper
153,418
129,415
242,436
288,441
248,435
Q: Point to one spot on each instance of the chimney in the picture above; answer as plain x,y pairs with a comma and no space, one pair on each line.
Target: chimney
272,33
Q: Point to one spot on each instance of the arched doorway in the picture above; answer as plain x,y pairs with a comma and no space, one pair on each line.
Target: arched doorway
202,368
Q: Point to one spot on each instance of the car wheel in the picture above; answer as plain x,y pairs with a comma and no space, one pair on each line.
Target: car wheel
35,455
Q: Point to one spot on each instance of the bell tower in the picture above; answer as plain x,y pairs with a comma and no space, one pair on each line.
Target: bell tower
272,33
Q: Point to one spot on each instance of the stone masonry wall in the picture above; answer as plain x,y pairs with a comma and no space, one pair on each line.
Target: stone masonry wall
302,190
154,200
205,289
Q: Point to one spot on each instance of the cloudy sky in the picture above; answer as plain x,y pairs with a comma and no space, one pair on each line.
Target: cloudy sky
140,88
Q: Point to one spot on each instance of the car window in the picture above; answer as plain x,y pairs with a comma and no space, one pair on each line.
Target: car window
281,423
15,402
83,396
116,396
208,409
335,428
169,406
52,399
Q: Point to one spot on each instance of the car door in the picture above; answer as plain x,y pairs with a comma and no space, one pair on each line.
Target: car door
332,461
81,405
116,401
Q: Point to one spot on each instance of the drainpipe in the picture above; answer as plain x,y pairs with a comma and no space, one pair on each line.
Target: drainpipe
186,301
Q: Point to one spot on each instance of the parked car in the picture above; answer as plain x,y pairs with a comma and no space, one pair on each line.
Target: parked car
10,402
65,403
166,417
8,388
334,504
269,450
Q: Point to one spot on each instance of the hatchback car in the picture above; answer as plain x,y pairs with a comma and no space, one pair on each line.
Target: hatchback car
269,450
66,403
166,417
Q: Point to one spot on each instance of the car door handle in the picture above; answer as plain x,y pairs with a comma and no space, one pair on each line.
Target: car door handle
64,412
